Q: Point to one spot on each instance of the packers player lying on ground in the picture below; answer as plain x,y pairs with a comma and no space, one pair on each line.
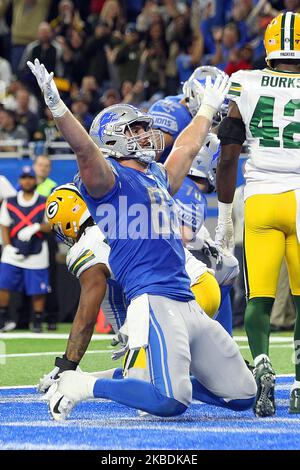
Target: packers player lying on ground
87,259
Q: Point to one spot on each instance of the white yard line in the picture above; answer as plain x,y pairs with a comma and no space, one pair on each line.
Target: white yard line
273,339
51,353
290,346
274,428
102,337
29,446
108,351
96,337
9,387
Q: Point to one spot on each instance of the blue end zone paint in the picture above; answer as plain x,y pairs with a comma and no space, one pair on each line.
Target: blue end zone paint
25,424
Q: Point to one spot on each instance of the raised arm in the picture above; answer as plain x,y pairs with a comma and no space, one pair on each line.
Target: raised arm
95,172
191,139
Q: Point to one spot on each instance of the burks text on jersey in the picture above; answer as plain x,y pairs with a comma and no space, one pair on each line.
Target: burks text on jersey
281,82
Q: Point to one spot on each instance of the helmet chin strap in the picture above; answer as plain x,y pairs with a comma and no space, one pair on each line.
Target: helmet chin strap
146,156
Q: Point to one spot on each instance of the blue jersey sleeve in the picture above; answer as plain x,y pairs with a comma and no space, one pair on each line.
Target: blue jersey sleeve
191,205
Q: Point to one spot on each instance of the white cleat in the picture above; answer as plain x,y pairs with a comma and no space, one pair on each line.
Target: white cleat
71,388
9,326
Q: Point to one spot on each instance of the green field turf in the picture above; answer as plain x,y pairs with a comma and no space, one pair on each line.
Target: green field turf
27,369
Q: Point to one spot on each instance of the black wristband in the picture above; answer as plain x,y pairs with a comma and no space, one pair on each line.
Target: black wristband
64,364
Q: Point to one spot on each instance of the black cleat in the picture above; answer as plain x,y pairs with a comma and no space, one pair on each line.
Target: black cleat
37,326
265,380
294,407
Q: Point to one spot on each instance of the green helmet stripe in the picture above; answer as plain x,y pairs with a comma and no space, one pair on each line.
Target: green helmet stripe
292,32
282,31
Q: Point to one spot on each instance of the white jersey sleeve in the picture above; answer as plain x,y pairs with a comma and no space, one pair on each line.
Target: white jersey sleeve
90,249
235,88
6,188
269,104
194,267
5,218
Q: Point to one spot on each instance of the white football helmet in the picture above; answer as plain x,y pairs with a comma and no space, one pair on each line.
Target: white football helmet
192,97
205,163
108,131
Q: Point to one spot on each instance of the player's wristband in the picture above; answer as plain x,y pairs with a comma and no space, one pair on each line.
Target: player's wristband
59,109
64,364
224,211
207,111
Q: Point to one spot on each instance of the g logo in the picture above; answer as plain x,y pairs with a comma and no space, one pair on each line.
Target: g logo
52,209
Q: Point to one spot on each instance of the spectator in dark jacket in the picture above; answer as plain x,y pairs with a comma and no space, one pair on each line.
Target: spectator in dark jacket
25,117
45,48
94,52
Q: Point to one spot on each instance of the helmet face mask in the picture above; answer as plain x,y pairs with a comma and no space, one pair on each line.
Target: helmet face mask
282,38
113,131
66,212
205,163
192,97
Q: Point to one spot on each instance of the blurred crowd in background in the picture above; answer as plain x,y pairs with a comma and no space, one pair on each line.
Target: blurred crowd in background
104,52
108,51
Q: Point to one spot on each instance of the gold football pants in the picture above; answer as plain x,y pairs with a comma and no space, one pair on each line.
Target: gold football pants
270,235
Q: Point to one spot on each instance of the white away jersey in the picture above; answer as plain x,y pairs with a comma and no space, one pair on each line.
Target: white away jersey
90,249
269,103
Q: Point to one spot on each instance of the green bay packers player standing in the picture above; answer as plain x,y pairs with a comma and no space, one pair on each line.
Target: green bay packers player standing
265,110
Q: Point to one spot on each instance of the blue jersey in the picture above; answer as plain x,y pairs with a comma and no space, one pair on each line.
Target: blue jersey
139,219
191,204
171,117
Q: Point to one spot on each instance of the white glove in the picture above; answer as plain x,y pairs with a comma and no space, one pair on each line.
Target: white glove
47,380
120,352
26,233
227,270
120,339
48,87
224,239
214,95
13,253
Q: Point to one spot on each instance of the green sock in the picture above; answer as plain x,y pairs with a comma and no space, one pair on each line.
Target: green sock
257,324
296,299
